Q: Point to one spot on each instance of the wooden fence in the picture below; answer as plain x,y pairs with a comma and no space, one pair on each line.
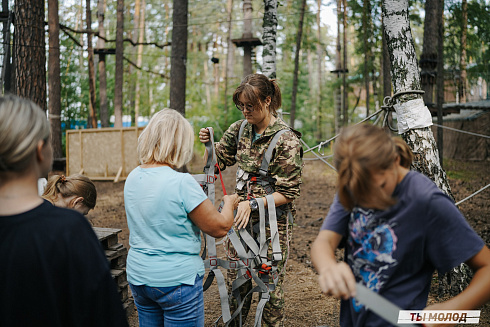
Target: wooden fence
102,153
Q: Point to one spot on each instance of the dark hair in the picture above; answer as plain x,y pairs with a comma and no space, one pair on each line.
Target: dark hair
256,88
360,150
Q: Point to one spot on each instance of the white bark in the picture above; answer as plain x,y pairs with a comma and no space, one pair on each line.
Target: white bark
413,114
269,38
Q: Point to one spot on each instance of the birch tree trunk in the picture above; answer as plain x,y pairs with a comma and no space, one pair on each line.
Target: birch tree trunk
118,87
296,64
413,116
54,105
269,31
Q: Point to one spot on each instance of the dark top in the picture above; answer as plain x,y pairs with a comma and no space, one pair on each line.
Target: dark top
54,272
395,252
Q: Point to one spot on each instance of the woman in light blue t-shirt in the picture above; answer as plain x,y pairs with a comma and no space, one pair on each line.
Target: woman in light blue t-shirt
166,210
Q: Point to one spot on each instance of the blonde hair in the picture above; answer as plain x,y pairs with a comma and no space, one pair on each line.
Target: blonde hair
256,88
22,125
168,139
358,152
73,185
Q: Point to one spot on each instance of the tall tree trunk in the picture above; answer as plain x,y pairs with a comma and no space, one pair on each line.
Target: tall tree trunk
247,34
345,101
439,17
462,64
30,51
139,60
269,31
339,68
131,81
179,56
229,57
386,66
92,119
118,84
54,82
367,52
7,64
103,109
413,116
296,63
429,59
320,71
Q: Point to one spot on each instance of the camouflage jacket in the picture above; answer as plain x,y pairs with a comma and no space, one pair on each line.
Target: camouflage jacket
286,163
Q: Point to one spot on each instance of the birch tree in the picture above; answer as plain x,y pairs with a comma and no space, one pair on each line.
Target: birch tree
413,116
269,33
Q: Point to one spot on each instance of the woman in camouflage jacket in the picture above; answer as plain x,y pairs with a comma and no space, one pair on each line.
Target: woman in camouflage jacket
258,98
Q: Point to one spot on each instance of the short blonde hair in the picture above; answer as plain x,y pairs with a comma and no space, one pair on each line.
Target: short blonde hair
168,139
22,125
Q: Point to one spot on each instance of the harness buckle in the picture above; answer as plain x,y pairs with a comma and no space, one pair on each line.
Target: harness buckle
265,269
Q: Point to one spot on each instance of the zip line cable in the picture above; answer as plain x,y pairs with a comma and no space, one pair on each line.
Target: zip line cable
461,131
472,195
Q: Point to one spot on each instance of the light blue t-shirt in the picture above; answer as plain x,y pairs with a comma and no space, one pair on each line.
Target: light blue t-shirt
164,242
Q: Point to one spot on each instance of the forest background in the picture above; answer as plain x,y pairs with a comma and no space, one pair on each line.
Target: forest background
211,78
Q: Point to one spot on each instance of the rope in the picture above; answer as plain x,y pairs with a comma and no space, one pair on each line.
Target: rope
458,203
318,156
333,138
324,157
461,131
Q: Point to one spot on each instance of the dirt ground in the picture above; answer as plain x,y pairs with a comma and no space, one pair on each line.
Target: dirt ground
305,305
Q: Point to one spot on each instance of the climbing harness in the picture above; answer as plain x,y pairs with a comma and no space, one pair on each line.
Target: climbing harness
250,255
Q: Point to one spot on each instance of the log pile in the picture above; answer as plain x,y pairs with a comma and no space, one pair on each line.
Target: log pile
116,254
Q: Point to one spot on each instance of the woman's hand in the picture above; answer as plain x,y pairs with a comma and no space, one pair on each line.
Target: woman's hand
233,199
204,135
243,214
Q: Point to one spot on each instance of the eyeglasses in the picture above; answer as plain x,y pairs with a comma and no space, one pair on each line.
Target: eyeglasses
241,107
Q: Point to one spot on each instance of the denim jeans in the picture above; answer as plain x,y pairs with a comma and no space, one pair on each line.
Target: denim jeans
181,305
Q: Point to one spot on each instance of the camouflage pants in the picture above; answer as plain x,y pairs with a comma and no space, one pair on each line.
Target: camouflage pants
273,314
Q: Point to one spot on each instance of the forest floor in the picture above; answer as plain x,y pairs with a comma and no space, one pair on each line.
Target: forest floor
305,305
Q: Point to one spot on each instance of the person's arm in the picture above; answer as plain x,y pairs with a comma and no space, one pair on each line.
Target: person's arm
243,212
335,278
477,293
212,222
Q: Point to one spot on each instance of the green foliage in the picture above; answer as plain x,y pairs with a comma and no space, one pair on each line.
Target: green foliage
206,104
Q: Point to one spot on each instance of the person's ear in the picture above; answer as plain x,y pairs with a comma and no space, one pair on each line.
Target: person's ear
39,151
77,200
